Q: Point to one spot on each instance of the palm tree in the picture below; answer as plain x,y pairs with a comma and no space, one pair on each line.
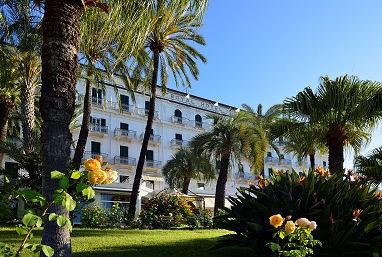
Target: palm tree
107,40
186,165
256,120
229,142
343,110
21,29
173,25
371,165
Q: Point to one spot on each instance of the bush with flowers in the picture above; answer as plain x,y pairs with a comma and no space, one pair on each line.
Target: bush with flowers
292,238
347,209
77,183
165,211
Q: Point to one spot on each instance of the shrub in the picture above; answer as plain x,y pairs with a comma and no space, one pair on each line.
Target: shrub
201,219
94,216
347,212
165,212
116,215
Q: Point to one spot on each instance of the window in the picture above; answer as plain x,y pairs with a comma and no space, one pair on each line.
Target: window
147,107
97,96
95,147
198,121
200,186
98,121
124,151
178,139
124,126
178,116
324,163
149,155
269,154
124,179
125,102
150,184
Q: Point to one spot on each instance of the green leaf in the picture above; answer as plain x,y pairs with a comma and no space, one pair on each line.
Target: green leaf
89,192
64,182
80,187
53,216
30,220
47,250
56,174
7,180
61,221
76,175
21,230
32,196
68,202
70,225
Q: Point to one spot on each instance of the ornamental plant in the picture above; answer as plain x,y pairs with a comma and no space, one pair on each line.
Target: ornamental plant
292,238
347,210
38,207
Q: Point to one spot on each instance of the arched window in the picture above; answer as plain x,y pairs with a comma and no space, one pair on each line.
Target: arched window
178,116
198,121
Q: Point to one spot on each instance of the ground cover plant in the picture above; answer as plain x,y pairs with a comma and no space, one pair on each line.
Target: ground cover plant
138,243
347,211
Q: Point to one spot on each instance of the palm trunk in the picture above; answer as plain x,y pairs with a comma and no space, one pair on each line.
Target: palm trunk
146,138
312,159
186,184
61,35
336,157
84,132
220,184
28,116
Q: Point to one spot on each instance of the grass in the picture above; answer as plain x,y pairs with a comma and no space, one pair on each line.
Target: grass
138,243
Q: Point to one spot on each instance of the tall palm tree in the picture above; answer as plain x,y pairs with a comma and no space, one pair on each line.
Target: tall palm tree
174,25
230,142
107,40
186,165
344,110
21,29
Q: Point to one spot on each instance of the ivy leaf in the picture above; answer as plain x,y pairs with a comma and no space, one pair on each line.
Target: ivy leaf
76,175
64,182
47,250
61,221
56,174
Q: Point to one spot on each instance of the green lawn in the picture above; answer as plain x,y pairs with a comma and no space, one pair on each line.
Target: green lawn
139,243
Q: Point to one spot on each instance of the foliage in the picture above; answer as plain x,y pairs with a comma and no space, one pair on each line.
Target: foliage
348,213
165,211
94,216
371,165
201,219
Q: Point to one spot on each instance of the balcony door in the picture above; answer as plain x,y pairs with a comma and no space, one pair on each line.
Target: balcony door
95,147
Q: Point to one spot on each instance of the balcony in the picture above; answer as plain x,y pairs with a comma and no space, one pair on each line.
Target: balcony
178,143
125,135
180,120
144,112
154,139
151,165
98,130
121,162
201,125
97,102
270,159
88,154
127,108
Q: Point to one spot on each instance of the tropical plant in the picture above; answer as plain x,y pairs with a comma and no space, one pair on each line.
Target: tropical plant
186,165
348,213
344,110
21,31
229,142
371,165
173,27
107,41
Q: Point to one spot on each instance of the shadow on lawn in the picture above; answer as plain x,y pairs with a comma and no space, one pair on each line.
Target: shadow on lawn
190,248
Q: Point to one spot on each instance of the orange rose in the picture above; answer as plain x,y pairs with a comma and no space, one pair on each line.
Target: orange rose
97,176
111,176
289,227
92,165
276,220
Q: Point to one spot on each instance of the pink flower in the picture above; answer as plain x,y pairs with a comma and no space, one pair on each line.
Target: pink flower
312,225
302,222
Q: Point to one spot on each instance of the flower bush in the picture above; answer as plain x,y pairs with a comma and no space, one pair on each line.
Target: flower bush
165,211
348,212
294,238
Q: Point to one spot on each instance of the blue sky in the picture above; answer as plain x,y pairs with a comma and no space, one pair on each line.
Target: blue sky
266,50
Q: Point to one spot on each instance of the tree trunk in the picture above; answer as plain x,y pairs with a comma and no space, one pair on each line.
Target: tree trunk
4,111
312,159
186,184
28,116
84,132
336,157
61,35
146,138
220,184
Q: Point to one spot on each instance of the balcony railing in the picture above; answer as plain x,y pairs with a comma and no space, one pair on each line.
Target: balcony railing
97,101
179,142
127,108
88,154
153,164
98,128
125,160
153,138
124,132
144,112
200,124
